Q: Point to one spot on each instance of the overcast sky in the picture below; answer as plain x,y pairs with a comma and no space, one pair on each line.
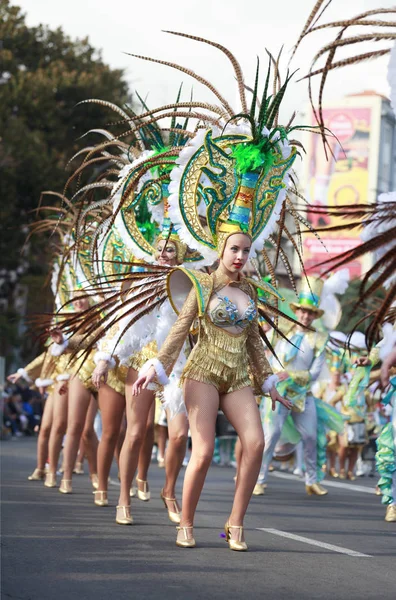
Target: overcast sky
246,27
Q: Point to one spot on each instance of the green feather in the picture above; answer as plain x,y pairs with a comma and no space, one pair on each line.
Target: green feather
251,157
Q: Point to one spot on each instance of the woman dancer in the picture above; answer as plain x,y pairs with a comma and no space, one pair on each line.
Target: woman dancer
138,443
74,412
139,343
79,411
43,371
229,331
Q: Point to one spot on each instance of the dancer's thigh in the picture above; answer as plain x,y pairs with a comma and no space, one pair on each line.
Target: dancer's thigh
151,415
60,407
91,414
112,407
79,399
178,426
202,403
240,408
48,413
138,408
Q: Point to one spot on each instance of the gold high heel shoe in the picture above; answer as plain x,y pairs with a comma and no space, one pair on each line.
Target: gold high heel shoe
100,498
174,516
390,516
351,476
126,518
333,473
187,542
37,475
259,489
95,481
65,486
78,469
144,495
50,480
238,544
316,490
342,474
133,491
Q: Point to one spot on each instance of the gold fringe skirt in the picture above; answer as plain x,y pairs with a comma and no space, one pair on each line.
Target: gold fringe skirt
219,359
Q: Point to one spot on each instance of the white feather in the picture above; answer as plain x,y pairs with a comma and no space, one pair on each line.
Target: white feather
388,342
358,340
173,398
336,284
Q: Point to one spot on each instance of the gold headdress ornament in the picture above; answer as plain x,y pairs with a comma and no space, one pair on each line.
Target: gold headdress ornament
155,196
237,166
143,178
242,186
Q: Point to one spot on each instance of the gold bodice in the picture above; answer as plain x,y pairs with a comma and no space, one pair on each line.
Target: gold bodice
218,350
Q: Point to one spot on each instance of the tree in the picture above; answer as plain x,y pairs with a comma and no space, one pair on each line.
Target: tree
43,76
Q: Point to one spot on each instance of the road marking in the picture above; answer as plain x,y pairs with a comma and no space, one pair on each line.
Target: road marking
305,540
336,484
113,482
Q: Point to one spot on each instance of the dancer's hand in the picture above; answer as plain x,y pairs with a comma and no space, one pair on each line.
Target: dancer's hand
276,397
63,388
13,378
143,381
362,361
101,371
56,335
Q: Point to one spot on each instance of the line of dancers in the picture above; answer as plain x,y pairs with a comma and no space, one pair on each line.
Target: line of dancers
152,301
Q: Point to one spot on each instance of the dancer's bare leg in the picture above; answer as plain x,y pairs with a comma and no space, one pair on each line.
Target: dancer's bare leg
162,436
353,456
112,407
137,410
79,400
44,433
238,455
146,451
342,455
120,441
80,455
178,432
58,429
89,437
332,456
241,410
202,403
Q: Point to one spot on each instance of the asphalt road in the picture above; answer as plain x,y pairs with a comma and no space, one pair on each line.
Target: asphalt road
57,547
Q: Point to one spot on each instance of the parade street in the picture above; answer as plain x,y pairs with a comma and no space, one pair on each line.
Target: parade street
57,547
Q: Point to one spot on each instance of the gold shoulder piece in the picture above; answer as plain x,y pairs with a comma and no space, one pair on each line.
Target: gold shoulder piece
179,283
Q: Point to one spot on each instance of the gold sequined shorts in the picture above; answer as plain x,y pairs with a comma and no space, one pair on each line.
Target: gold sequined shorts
147,353
332,444
83,369
117,378
219,359
61,367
